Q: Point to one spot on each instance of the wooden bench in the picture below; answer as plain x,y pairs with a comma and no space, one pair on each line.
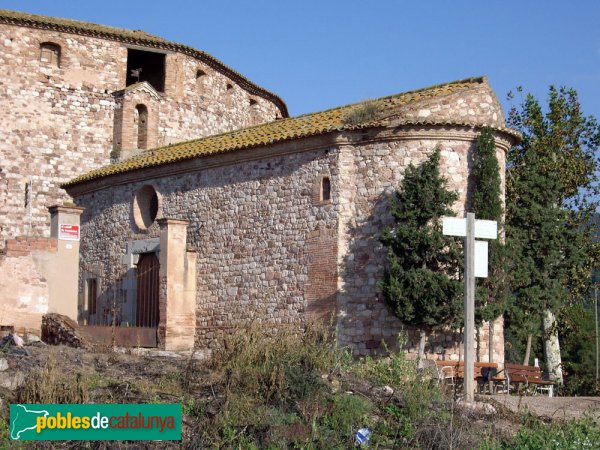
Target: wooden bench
484,372
528,375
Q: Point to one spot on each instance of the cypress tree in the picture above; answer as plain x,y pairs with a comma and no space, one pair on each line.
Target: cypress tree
487,203
491,296
420,283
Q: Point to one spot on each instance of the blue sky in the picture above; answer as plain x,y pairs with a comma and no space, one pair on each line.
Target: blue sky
322,54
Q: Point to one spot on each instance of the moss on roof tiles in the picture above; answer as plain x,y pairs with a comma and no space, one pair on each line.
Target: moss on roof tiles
136,37
272,132
35,19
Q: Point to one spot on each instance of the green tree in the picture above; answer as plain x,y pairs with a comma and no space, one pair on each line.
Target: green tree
578,338
420,282
551,194
486,203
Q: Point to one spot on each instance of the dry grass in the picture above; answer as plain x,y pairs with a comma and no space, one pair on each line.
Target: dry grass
259,358
364,113
49,383
270,387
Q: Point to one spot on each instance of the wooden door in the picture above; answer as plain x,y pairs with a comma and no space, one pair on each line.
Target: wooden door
147,291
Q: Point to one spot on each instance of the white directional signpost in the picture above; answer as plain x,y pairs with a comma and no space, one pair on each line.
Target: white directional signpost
476,265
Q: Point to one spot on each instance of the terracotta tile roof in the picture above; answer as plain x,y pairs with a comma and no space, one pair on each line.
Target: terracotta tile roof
135,37
313,124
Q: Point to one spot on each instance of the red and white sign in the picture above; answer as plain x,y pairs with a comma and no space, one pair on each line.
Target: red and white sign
68,232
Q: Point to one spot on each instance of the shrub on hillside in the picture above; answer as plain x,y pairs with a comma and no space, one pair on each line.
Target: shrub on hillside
272,389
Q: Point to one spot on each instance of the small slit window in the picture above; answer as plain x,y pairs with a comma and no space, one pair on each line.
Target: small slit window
229,95
141,125
50,54
254,113
200,80
27,197
325,189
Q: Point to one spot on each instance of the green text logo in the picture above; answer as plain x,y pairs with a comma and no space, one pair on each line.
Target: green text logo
95,422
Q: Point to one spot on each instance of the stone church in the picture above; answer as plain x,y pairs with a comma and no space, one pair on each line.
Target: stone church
202,203
74,94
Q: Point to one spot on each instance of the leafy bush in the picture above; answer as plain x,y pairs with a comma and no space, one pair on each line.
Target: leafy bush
419,388
575,434
395,370
423,415
578,340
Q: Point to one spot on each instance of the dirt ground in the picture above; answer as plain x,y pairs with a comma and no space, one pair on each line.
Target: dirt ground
106,376
552,408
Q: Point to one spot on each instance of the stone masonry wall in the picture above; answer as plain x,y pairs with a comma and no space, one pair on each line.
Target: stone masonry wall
372,172
57,122
268,246
480,106
256,227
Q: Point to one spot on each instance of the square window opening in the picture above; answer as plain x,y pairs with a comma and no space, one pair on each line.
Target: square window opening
146,66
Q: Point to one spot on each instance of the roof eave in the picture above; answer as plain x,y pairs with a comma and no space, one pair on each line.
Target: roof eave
45,23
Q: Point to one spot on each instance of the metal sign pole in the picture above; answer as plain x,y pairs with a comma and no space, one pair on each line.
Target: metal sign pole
469,337
476,265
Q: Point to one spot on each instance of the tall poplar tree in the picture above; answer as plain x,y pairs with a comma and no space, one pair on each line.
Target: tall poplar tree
420,283
552,191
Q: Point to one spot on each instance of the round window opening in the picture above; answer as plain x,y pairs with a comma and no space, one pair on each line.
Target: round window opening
145,207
